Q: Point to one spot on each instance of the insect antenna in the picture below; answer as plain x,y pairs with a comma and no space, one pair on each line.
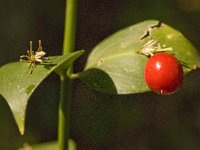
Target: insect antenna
31,53
40,46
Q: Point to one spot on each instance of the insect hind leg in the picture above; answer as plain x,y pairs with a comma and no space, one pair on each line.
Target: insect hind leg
32,67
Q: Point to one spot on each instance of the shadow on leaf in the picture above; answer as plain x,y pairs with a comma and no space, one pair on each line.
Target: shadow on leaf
98,80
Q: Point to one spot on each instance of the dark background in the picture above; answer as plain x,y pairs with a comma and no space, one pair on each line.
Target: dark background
100,121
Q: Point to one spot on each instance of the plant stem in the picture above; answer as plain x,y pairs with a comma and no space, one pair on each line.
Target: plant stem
64,111
66,83
70,26
74,76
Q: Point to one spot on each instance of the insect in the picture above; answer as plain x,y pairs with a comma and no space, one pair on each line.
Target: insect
152,47
34,58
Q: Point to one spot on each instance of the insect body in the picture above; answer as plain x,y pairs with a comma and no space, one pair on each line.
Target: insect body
152,47
34,58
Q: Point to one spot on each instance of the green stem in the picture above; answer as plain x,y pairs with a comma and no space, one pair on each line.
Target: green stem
66,83
64,111
74,76
70,26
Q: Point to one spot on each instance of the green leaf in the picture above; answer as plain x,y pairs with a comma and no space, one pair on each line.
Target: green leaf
49,146
115,65
17,84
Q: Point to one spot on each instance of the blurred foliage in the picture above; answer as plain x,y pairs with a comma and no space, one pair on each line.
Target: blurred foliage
47,146
100,121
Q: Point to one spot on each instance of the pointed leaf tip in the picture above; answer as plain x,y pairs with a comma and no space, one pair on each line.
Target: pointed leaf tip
17,84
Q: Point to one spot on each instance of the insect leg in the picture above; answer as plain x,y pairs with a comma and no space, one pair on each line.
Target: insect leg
24,56
32,68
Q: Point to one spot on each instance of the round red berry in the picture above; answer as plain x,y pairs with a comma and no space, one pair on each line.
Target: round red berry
163,73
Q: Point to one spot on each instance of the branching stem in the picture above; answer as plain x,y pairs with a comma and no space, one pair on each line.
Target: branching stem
66,82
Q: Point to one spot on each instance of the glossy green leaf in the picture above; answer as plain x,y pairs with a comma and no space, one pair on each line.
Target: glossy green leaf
17,84
49,146
115,65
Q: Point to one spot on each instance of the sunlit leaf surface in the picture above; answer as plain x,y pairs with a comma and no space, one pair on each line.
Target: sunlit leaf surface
17,84
116,66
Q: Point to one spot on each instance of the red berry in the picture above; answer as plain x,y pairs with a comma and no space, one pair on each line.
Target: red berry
163,73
